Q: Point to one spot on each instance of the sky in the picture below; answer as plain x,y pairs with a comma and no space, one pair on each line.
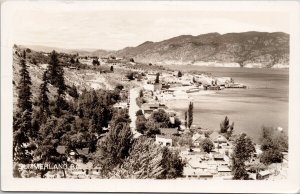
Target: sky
113,30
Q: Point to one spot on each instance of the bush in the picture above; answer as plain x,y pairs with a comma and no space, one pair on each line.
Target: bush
207,145
271,156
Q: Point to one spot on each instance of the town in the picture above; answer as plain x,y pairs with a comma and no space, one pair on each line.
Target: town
142,91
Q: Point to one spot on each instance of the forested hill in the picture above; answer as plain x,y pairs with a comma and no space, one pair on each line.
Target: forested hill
248,49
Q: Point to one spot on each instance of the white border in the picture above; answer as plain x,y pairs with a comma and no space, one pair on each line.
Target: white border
291,185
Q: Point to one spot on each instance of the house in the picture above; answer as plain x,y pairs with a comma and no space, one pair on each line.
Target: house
148,108
224,169
218,157
196,174
218,138
197,138
163,140
79,155
121,105
157,86
168,131
264,174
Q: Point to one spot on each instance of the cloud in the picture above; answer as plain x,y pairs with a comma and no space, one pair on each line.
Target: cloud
119,29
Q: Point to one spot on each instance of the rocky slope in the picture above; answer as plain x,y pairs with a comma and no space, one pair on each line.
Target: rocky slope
248,49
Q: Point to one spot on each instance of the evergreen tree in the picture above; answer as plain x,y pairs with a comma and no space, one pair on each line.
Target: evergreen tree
22,121
185,118
43,98
190,114
56,73
24,87
157,78
72,61
114,148
112,68
242,152
73,92
224,125
179,74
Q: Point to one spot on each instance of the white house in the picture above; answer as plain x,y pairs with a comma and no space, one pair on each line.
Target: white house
163,140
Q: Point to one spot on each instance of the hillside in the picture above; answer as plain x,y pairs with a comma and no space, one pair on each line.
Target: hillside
248,49
84,77
80,52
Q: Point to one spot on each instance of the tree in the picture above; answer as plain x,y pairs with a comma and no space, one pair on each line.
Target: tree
50,137
43,98
185,118
24,87
22,128
141,94
114,148
141,124
72,61
95,62
160,117
207,145
73,92
130,76
190,114
56,73
172,164
119,87
271,156
157,78
273,143
224,125
139,113
179,74
131,60
144,161
111,68
22,143
242,152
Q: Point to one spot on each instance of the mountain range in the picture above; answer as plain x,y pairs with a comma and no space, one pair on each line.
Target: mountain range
246,49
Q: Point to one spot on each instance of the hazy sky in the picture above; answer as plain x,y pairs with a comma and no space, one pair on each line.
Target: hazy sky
117,29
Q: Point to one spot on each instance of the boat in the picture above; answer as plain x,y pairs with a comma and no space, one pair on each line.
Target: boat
192,90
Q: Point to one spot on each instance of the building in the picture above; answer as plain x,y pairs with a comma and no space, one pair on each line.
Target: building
197,138
196,174
163,140
121,105
264,174
148,108
218,138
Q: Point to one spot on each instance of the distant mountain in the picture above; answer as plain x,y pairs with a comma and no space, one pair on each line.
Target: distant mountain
247,49
81,52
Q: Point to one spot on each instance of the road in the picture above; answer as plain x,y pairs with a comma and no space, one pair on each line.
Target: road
133,108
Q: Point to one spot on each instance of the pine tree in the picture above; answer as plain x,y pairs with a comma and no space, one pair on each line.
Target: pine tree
43,98
22,121
24,87
242,152
73,92
179,74
56,73
157,78
190,114
224,125
185,118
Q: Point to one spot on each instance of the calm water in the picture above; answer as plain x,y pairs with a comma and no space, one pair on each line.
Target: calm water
264,102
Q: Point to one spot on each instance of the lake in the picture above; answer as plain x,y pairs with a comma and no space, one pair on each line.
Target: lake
263,103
